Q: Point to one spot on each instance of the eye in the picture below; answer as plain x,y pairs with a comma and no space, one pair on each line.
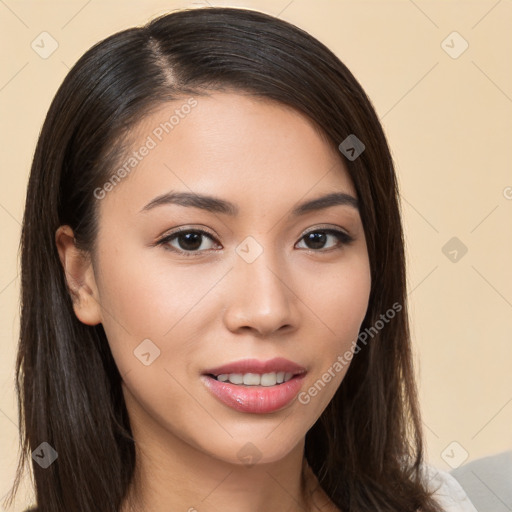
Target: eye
190,241
319,237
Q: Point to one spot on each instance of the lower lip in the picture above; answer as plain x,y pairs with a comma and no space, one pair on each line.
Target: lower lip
254,399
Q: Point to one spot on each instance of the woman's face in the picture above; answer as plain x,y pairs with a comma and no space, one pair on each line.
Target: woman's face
253,286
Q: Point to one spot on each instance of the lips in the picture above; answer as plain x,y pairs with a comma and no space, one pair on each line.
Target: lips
278,364
260,399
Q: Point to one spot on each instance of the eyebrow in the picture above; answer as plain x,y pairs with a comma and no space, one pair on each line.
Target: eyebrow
217,205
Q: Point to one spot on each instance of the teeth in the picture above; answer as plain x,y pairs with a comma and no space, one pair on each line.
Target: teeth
268,379
252,379
255,379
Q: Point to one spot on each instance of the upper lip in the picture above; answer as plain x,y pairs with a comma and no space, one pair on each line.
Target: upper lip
278,364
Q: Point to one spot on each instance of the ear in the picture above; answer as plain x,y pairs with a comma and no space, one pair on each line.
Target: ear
79,276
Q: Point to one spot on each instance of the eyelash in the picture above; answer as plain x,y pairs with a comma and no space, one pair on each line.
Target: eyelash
343,238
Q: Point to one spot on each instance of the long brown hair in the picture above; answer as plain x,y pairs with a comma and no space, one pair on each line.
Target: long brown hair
366,448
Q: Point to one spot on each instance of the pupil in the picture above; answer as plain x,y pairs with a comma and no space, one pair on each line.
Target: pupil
317,238
188,238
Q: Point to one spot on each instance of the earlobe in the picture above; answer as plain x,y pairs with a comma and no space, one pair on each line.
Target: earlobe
80,277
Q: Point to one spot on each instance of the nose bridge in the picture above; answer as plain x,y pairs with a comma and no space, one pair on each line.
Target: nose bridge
259,267
261,298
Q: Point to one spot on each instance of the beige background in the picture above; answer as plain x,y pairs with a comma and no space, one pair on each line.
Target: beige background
449,124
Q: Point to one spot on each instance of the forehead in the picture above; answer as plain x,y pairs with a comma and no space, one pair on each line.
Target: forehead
230,145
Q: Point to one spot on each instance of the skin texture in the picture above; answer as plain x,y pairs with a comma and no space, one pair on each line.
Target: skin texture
297,300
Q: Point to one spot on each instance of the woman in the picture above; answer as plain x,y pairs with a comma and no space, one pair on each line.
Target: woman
213,283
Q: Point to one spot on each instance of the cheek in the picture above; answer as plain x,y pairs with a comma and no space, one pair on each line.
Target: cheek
146,298
338,303
154,335
339,299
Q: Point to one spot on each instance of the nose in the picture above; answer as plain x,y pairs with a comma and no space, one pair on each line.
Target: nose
260,297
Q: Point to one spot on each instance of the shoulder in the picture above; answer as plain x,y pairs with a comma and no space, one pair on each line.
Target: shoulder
488,482
447,490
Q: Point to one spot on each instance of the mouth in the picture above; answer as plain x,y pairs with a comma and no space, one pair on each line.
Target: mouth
253,386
